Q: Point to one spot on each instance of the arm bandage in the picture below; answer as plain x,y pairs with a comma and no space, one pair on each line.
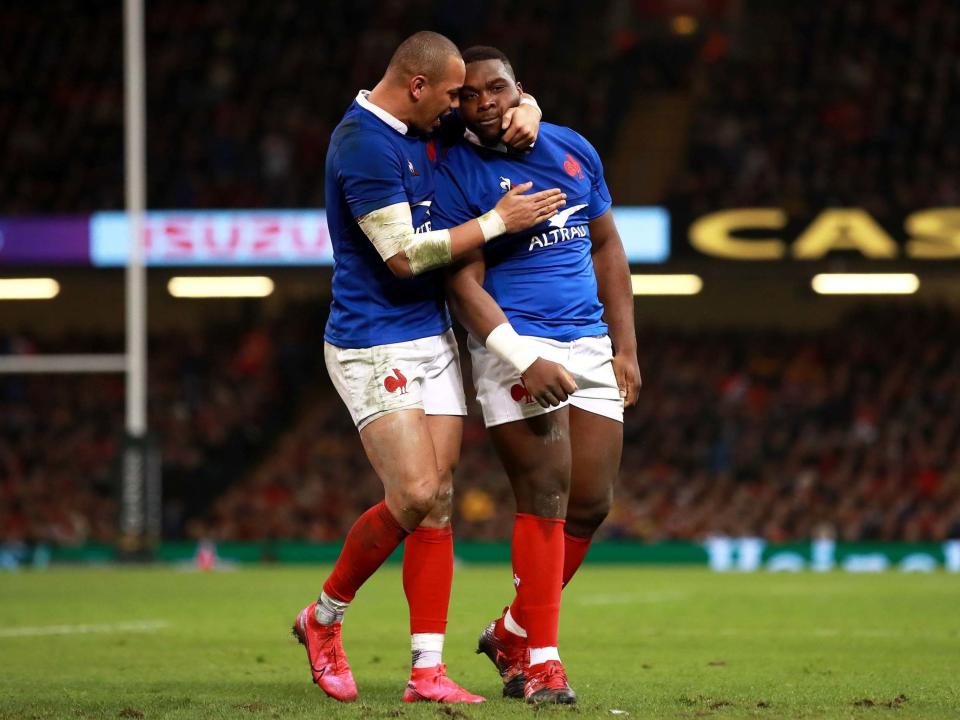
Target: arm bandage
517,350
390,229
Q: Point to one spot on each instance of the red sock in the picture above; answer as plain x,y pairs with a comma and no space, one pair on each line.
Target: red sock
370,541
538,572
428,578
574,551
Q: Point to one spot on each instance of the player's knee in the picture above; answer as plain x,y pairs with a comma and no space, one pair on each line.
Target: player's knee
584,516
417,499
443,507
548,493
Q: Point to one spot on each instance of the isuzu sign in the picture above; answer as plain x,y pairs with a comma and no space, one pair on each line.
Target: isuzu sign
216,238
292,237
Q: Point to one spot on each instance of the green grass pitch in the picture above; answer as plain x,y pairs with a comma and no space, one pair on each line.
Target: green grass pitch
654,643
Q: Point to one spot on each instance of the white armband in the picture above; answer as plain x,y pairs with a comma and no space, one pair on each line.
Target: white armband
517,350
388,228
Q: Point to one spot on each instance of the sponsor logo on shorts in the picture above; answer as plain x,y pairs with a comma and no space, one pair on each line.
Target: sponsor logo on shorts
395,382
520,393
504,184
516,581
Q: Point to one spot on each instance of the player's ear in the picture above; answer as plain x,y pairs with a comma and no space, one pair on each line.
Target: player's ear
417,83
520,88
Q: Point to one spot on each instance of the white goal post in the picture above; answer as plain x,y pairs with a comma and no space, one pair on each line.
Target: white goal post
138,467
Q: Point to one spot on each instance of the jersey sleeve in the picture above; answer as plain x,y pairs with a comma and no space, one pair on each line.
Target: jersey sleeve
370,172
450,205
600,200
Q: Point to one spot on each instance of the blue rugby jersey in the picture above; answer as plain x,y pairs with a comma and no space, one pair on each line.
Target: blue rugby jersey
370,164
542,278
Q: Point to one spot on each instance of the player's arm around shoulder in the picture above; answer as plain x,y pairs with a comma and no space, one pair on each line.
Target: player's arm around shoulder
407,253
615,292
521,124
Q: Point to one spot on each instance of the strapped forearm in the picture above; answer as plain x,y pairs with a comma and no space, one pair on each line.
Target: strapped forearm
516,350
390,229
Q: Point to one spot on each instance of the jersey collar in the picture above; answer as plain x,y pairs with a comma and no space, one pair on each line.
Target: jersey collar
389,119
471,137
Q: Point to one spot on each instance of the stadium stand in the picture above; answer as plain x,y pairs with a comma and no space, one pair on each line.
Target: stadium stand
851,432
243,95
832,103
779,435
217,401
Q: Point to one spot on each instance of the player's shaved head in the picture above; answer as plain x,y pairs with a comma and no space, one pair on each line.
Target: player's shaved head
424,53
478,53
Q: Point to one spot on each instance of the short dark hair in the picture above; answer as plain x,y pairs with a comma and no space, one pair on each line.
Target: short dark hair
423,53
478,53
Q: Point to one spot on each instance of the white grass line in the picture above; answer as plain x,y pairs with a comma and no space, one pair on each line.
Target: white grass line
631,598
42,630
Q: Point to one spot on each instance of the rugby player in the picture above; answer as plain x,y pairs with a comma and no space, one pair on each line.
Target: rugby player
391,353
550,317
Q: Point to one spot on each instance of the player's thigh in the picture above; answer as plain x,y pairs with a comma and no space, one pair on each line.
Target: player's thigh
400,449
444,402
597,446
536,455
446,432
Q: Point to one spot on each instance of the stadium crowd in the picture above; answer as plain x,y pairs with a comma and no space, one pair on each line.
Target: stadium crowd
216,402
829,103
782,436
853,432
242,95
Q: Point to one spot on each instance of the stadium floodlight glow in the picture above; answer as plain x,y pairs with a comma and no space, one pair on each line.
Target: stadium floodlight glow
220,287
28,288
865,283
666,284
684,24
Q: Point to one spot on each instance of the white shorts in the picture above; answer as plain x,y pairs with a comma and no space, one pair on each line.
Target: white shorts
382,379
589,360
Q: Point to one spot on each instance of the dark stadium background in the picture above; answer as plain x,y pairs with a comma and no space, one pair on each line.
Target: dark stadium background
768,411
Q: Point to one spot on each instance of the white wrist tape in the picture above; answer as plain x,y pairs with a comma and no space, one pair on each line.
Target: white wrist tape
492,225
519,351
